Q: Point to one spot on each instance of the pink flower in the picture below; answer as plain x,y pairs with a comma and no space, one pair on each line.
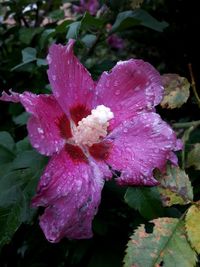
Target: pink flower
87,5
90,130
115,42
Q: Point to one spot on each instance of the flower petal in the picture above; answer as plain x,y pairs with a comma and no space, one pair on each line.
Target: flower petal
70,191
12,97
45,126
71,83
130,87
139,146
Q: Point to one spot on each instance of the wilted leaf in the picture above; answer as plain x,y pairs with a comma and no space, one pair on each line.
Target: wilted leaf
166,246
192,224
175,187
193,158
128,19
176,91
146,200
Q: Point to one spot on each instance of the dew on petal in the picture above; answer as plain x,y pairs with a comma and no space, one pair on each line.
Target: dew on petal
117,92
49,59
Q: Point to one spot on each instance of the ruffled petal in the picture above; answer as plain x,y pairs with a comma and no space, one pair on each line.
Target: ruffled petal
71,192
71,83
45,127
130,87
12,97
139,146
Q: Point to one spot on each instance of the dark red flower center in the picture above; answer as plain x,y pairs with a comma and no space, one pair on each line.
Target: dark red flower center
98,150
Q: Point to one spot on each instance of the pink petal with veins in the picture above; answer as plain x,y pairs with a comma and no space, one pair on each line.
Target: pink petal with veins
139,146
71,83
130,87
71,193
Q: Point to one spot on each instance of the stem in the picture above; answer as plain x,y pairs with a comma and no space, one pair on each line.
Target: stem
186,124
193,84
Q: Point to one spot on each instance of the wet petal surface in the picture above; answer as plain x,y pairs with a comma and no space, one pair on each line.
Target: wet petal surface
71,83
139,145
130,87
71,193
44,125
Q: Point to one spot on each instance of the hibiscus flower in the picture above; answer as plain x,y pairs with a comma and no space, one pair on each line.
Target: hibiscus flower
90,6
91,130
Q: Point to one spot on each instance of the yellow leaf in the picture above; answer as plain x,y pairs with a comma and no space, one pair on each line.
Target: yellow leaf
192,224
175,187
176,91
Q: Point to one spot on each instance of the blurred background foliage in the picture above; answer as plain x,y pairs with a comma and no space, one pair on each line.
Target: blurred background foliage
162,32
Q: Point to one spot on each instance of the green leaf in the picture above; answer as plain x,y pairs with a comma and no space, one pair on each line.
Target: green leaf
41,62
176,91
193,158
146,200
86,23
28,56
7,141
21,119
28,159
23,145
166,246
62,28
57,14
129,19
27,34
192,224
89,40
18,181
7,147
91,21
14,206
10,220
73,30
175,187
46,36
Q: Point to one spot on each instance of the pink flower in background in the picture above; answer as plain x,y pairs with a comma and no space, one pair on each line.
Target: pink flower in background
90,130
90,6
116,42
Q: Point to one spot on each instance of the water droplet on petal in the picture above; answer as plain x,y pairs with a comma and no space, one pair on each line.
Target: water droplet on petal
49,59
54,77
117,92
156,150
40,130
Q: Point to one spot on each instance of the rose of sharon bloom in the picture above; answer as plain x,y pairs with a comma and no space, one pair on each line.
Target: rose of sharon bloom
90,6
91,129
115,42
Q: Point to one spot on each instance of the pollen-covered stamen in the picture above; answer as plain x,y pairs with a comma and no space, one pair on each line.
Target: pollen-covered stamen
93,128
